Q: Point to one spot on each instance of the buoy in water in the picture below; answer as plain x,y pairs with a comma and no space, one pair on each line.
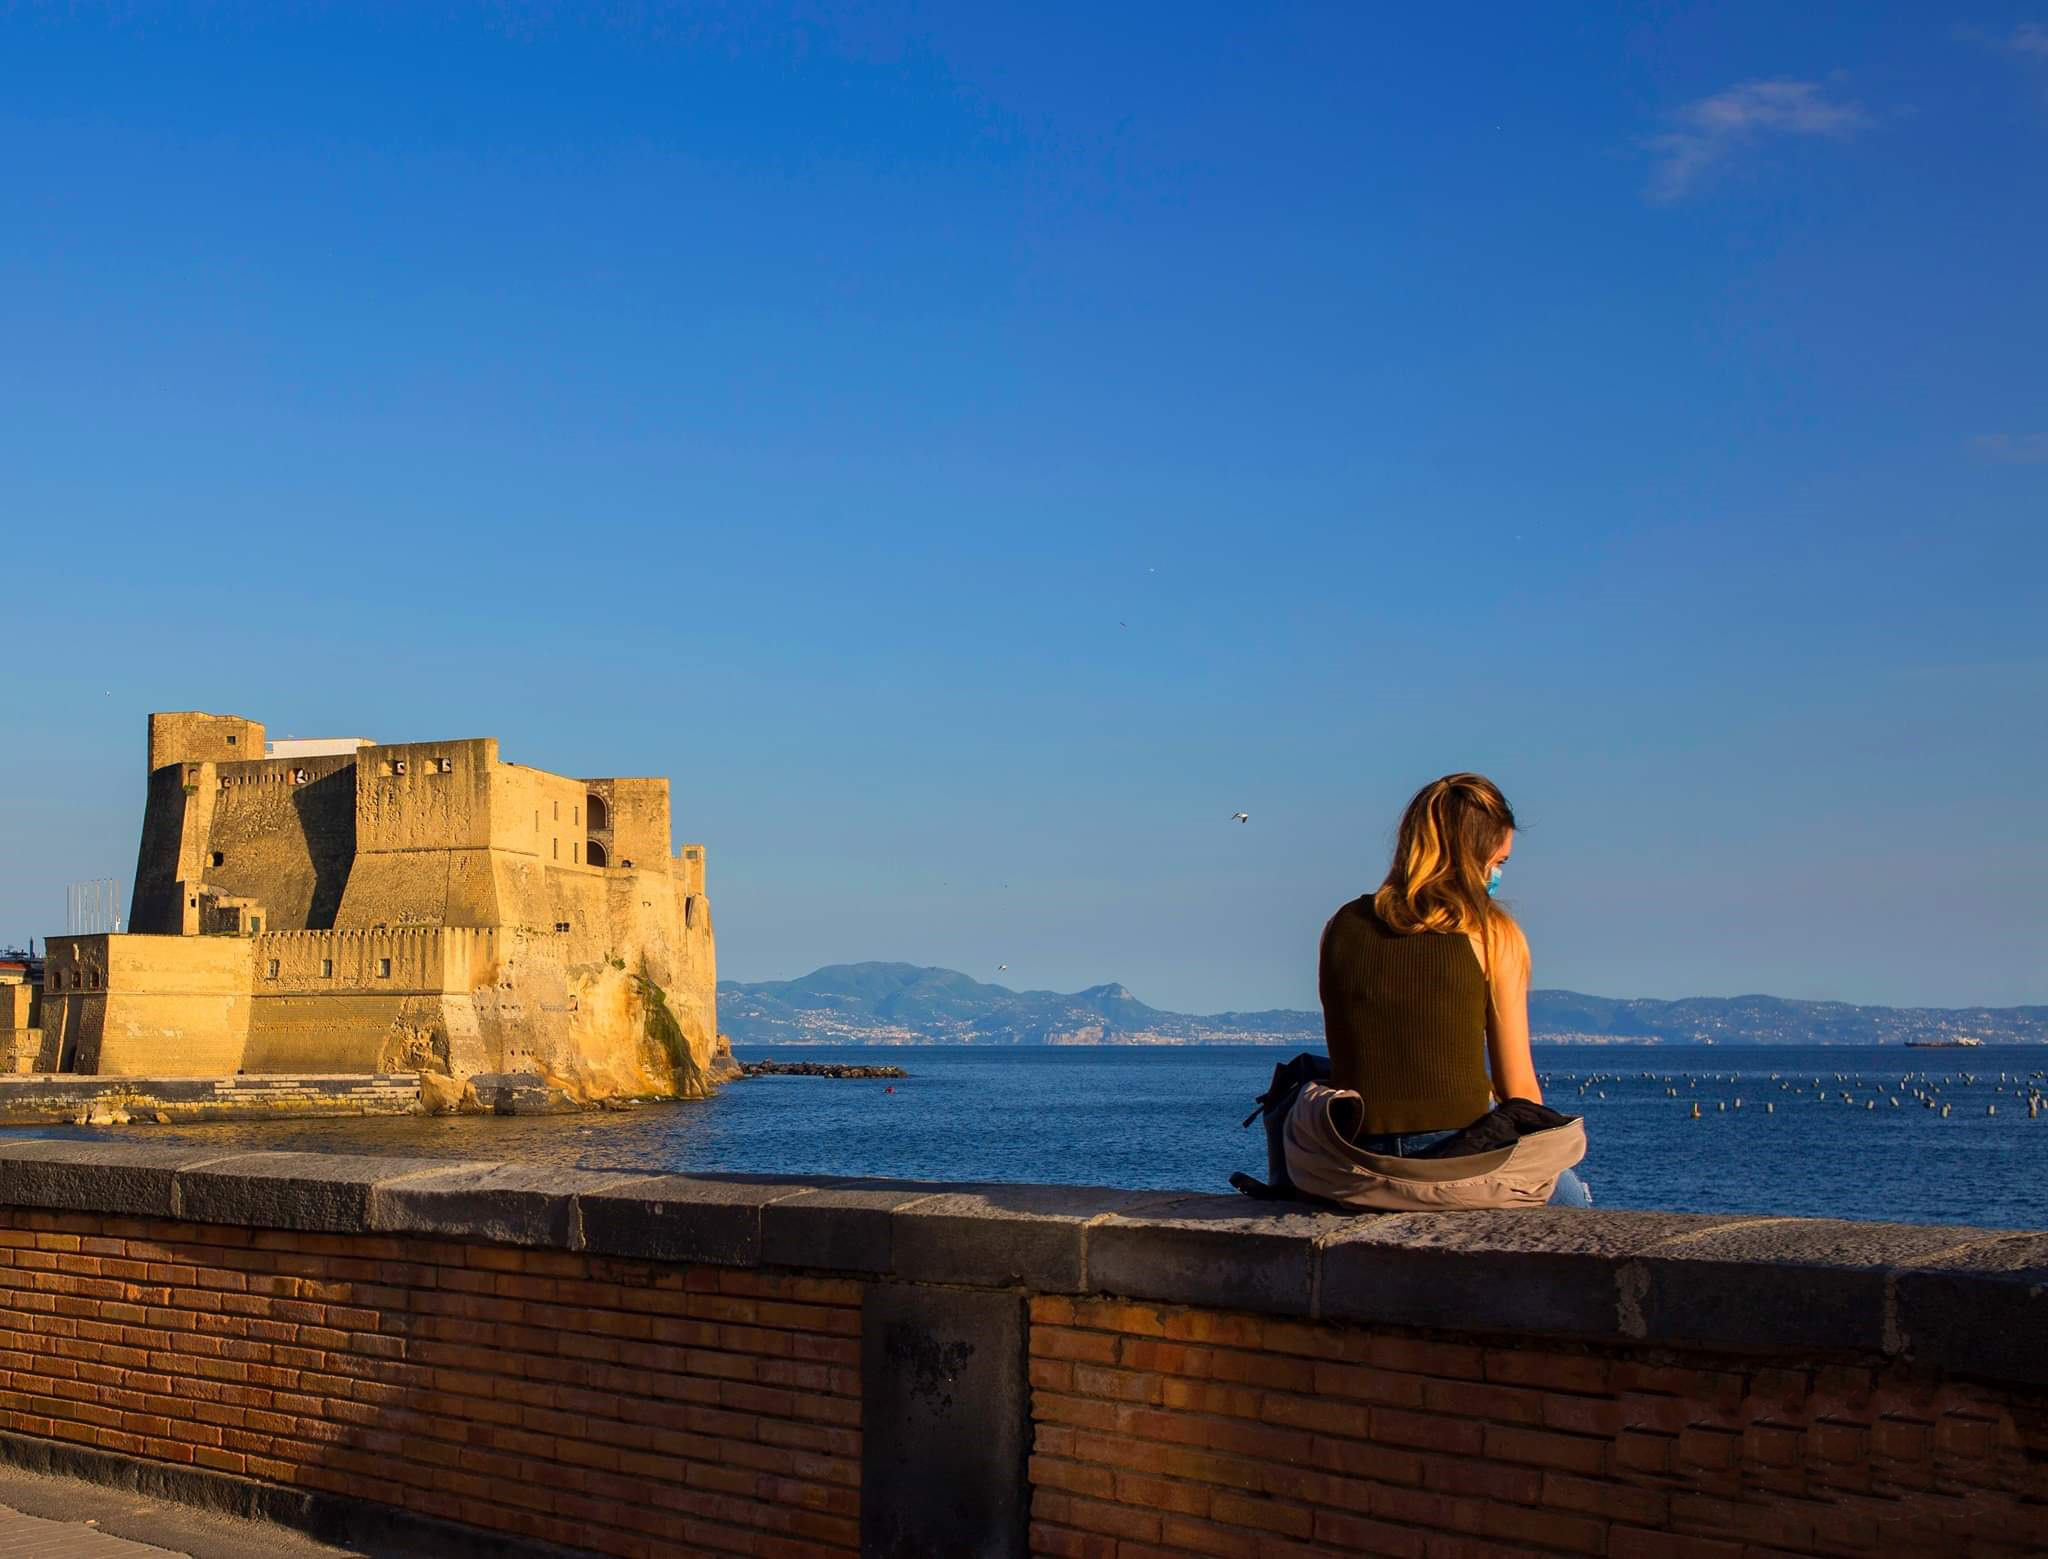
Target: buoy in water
889,1090
1695,1109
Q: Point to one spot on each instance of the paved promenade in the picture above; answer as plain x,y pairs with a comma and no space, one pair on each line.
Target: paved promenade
46,1517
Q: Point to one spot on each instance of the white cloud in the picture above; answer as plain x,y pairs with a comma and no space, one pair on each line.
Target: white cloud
2031,39
2019,449
1714,128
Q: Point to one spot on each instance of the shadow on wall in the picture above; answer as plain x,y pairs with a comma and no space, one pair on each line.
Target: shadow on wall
326,811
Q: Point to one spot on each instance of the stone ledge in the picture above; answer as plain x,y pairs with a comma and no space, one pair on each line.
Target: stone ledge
1961,1299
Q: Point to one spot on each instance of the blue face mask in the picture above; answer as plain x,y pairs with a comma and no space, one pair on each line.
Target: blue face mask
1493,882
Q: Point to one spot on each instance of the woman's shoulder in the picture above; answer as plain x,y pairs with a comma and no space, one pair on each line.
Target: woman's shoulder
1358,914
1357,922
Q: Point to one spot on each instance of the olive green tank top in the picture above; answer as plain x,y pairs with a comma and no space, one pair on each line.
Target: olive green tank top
1405,1021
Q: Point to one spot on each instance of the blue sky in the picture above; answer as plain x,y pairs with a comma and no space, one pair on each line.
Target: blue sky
974,453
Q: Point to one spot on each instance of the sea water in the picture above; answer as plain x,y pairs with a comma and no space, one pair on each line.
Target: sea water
1816,1132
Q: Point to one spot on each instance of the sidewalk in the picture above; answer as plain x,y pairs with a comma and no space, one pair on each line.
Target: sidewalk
47,1517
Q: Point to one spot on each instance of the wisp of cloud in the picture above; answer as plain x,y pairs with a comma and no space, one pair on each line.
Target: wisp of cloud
1708,131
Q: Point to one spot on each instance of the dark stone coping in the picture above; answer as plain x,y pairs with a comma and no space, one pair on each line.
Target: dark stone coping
1963,1300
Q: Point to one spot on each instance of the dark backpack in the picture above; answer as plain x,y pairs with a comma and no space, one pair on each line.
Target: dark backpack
1273,1104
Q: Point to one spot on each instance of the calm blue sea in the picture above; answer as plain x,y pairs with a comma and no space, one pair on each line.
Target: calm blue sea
1169,1117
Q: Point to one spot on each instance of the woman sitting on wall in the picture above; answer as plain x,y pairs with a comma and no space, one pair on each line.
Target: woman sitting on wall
1425,990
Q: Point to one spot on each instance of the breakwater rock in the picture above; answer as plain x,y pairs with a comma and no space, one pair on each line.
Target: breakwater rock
816,1069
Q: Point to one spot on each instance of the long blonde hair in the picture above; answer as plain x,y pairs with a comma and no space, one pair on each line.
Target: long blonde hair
1452,828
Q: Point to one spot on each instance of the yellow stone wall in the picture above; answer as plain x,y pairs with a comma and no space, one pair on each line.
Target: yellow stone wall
21,1032
146,1006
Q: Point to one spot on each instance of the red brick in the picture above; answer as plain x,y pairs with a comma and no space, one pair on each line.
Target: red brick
1428,1508
1471,1399
1546,1448
1118,1316
1642,1450
1364,1384
1965,1437
1051,1374
1113,1520
1162,1494
1065,1543
1262,1515
1359,1535
1206,1537
1549,1371
1549,1528
1116,1385
1488,1480
1416,1356
1598,1497
1710,1448
1427,1431
1054,1342
1903,1439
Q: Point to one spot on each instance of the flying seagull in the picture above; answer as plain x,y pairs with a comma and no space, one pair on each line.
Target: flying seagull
1240,817
1001,967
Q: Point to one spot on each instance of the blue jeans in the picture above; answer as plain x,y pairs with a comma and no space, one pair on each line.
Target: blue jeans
1570,1190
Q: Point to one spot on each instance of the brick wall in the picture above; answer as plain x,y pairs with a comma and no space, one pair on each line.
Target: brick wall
1163,1431
640,1364
629,1408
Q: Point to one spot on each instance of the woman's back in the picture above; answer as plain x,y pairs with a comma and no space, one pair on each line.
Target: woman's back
1404,1017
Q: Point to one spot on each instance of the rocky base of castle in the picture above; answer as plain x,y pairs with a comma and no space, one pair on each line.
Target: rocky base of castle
67,1099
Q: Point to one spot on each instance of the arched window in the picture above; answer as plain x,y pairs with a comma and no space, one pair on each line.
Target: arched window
594,853
600,818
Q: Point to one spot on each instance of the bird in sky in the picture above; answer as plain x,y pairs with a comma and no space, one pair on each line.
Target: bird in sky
1240,817
1000,968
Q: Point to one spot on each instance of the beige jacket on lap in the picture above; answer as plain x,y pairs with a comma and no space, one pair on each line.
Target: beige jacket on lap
1322,1162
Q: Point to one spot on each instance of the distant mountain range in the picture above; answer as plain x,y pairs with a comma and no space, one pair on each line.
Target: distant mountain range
903,1004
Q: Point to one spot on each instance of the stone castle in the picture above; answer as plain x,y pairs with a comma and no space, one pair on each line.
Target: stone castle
349,907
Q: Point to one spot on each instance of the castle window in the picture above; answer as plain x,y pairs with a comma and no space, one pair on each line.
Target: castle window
327,968
298,776
628,865
271,970
561,925
558,811
74,979
447,765
219,858
594,853
576,816
600,819
690,913
383,968
255,924
574,848
231,741
92,980
397,765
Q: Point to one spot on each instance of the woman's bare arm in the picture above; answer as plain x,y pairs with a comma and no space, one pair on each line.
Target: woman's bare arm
1507,1022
